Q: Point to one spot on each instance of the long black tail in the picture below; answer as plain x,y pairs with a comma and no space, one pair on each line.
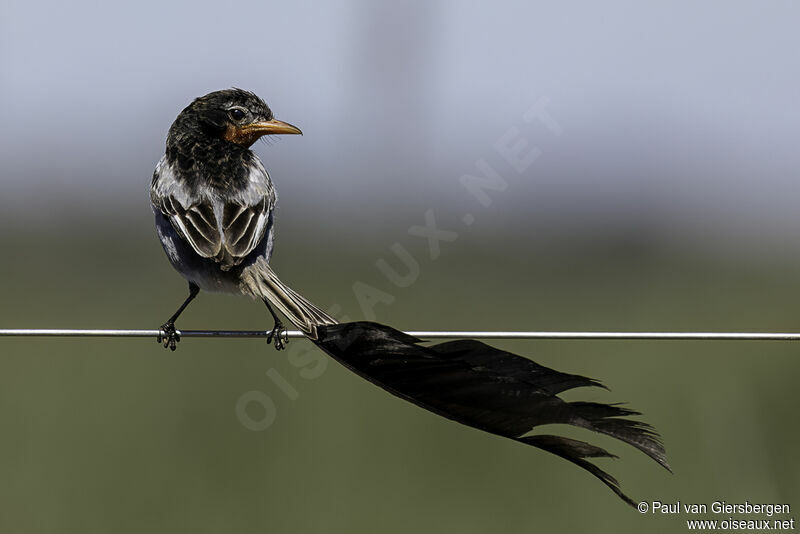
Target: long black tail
465,380
489,389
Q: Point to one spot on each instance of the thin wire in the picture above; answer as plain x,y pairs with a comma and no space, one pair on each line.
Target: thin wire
424,334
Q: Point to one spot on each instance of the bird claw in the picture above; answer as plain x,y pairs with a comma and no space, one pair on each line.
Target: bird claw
168,336
278,336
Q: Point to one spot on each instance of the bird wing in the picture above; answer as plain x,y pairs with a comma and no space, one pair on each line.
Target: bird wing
225,231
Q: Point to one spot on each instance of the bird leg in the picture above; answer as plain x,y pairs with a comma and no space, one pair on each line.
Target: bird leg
168,335
278,336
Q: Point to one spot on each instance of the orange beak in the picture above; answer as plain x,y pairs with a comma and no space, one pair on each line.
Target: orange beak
249,133
270,127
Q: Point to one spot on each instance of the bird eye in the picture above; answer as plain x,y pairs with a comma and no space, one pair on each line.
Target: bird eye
236,114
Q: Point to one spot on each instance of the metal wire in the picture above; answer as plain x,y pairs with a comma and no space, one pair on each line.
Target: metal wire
424,334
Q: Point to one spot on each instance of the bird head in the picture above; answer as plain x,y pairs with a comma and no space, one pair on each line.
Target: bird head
235,115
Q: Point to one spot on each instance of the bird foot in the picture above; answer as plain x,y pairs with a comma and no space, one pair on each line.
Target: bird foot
278,336
168,336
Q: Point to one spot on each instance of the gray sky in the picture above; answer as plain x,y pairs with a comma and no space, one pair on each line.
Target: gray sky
677,119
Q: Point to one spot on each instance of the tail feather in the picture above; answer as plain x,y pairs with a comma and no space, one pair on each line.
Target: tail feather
465,380
260,281
507,364
608,419
576,452
488,389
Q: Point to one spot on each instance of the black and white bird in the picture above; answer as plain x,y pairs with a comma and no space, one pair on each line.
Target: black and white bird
214,203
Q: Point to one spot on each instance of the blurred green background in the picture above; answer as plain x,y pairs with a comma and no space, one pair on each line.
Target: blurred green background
664,198
120,435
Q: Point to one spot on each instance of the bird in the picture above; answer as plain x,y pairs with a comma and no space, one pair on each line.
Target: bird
214,204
